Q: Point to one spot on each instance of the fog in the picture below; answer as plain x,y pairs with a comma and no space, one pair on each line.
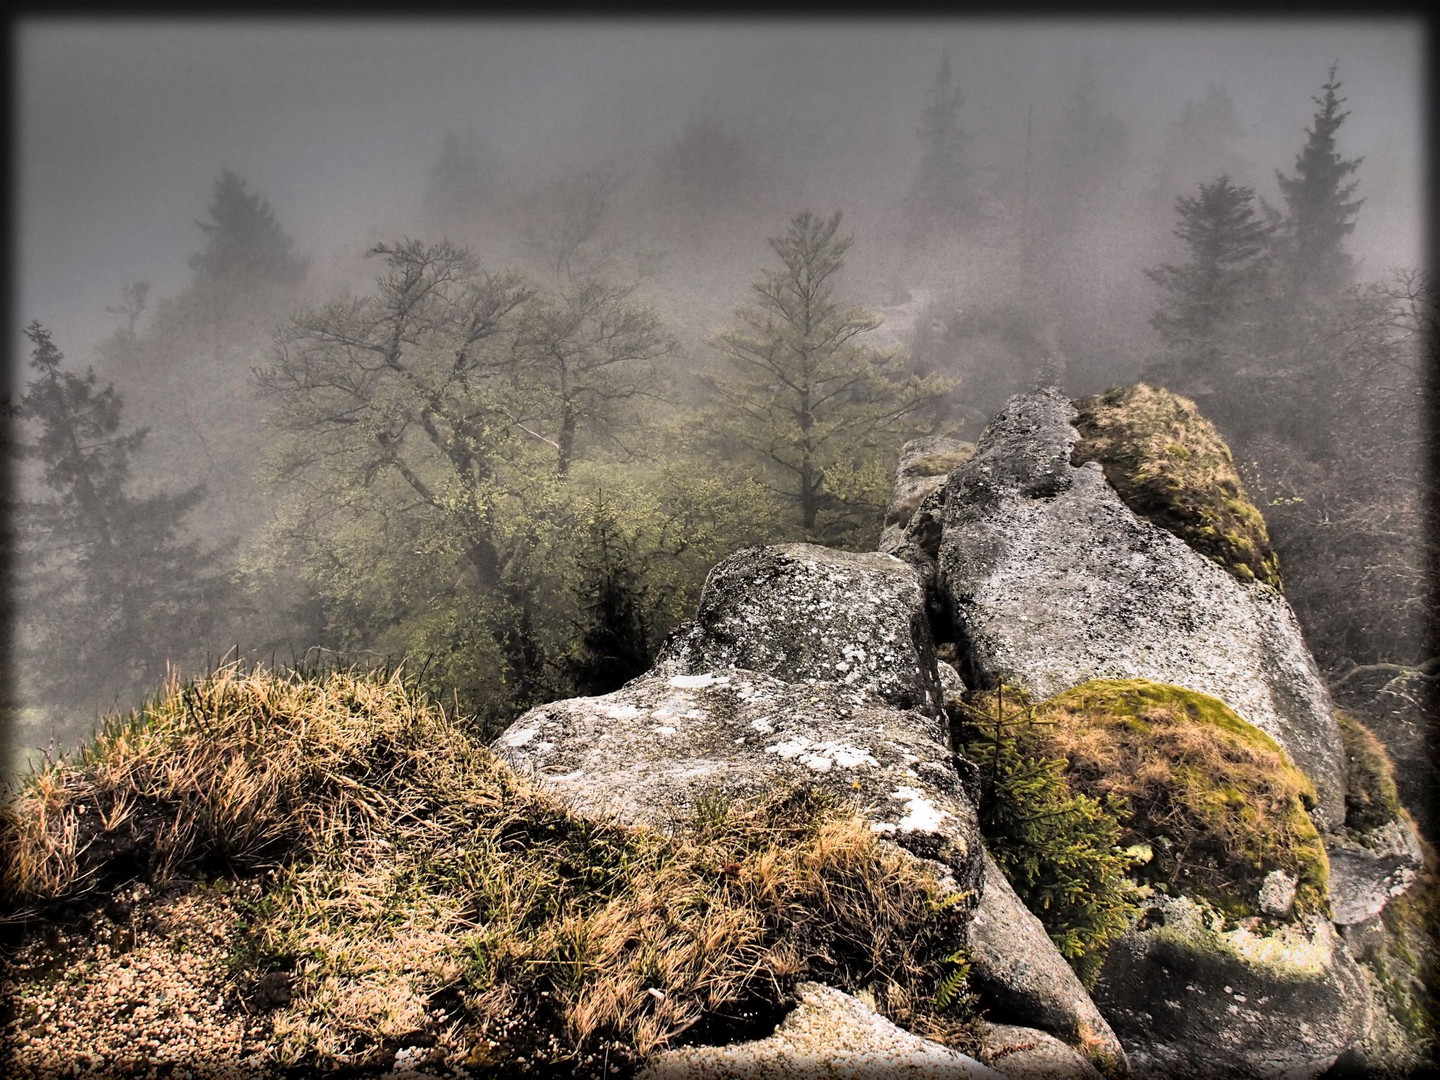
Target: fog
122,127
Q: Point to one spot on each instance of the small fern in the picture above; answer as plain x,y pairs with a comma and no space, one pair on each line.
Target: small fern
948,992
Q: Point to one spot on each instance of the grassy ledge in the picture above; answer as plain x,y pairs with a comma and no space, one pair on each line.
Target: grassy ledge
416,892
1170,466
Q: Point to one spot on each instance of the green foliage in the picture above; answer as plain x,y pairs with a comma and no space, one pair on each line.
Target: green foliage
247,247
818,415
1059,848
1370,796
1214,798
1170,466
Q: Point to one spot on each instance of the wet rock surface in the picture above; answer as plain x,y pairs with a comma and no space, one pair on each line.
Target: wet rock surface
828,1034
1052,581
799,611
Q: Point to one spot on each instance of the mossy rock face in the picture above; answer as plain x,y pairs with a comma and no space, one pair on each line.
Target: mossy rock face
1215,798
1371,799
1170,466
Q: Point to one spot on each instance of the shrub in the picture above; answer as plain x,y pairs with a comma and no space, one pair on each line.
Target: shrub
1059,848
1170,466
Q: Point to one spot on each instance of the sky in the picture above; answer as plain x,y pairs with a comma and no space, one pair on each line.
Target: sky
122,125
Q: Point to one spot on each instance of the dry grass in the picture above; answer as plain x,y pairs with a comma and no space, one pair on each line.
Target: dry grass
1371,799
416,885
1170,466
1214,796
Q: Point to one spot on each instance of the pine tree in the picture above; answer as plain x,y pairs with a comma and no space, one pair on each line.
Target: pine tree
1320,212
614,637
940,192
802,398
1206,300
1200,144
247,246
461,179
109,591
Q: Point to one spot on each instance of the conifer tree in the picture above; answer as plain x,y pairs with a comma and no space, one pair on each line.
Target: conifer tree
940,192
1319,209
109,590
801,396
246,246
1206,301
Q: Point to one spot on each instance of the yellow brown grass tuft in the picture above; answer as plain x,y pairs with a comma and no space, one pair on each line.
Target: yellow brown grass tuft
415,883
1170,466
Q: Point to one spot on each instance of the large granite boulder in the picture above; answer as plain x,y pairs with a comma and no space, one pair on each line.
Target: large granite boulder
1368,872
650,750
1051,580
924,465
1193,1000
1025,1053
828,1034
798,611
1022,977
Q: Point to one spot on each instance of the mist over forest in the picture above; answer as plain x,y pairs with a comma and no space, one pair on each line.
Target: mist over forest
473,345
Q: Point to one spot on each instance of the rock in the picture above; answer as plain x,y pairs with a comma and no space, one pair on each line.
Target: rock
1024,1053
828,1034
1191,1000
924,465
1399,705
951,684
798,611
649,750
1277,894
1364,877
1021,976
1053,581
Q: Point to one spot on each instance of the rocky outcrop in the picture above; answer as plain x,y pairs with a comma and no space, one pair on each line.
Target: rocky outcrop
1193,1001
1022,976
798,611
651,750
1401,705
925,463
828,1034
1051,580
1364,877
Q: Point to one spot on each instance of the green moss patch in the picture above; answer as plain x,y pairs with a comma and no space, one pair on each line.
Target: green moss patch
1171,467
1214,797
1371,799
940,464
1206,803
417,892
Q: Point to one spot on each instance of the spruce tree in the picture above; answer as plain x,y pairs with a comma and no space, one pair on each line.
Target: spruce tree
1206,302
108,590
247,247
940,195
802,398
1319,210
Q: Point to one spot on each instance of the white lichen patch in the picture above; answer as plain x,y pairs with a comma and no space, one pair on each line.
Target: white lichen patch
763,725
698,682
519,736
921,815
822,756
622,711
663,729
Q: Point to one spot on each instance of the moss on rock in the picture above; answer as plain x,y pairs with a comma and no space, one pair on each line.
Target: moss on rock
1371,799
1213,797
1170,466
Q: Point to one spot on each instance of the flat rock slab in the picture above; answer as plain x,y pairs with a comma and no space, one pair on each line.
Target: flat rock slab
828,1034
1193,1001
1021,976
1053,581
799,611
650,750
